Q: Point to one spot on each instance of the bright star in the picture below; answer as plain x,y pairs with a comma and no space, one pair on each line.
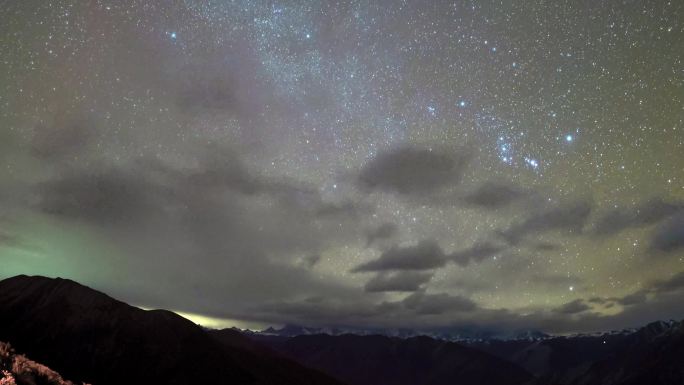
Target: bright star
462,103
568,138
173,35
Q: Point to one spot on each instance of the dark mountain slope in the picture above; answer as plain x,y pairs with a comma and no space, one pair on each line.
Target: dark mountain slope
380,360
557,360
650,355
88,336
653,355
269,360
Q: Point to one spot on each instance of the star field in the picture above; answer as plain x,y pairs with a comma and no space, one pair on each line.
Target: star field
248,161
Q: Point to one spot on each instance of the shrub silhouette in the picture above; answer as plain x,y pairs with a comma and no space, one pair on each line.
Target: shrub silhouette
16,369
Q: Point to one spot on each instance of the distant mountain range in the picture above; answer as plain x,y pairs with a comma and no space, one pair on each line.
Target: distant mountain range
87,336
652,355
454,335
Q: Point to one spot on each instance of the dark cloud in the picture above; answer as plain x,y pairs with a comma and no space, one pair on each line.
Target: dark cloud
545,246
673,284
311,260
321,311
433,304
597,300
10,240
412,171
223,85
16,241
7,239
384,231
651,293
476,253
646,213
148,188
343,209
222,169
106,197
492,195
66,136
574,307
206,87
397,281
570,217
554,280
426,255
669,236
633,299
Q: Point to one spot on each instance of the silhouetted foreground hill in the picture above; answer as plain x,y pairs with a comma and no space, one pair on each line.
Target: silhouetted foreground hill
380,360
88,336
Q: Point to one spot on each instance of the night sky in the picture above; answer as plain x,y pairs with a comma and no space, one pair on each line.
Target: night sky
372,164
